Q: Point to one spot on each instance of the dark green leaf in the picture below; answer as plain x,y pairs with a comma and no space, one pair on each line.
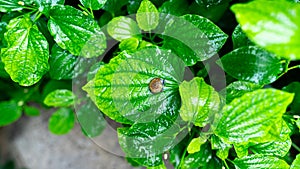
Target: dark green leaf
26,56
122,27
61,121
273,25
93,4
31,111
252,64
296,163
294,87
198,38
147,16
76,32
214,163
10,112
251,116
45,5
175,7
3,73
209,3
260,161
114,6
43,28
237,89
2,31
91,119
133,6
60,98
13,5
62,64
239,38
199,102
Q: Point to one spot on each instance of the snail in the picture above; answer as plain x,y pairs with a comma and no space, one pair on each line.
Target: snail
156,85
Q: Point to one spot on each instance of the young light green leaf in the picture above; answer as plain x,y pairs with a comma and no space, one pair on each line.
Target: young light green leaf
260,161
93,4
26,56
31,111
239,38
122,86
44,6
147,16
252,115
221,147
62,63
294,87
273,25
199,101
241,150
198,38
122,27
13,5
296,163
237,89
256,65
298,123
61,121
130,44
10,112
195,144
60,98
76,32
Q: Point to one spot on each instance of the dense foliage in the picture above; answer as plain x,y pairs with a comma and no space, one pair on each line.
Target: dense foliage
191,83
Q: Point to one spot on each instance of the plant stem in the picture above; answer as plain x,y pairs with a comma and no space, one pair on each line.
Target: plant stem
296,147
293,67
225,164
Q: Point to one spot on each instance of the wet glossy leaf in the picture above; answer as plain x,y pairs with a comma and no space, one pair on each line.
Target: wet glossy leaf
130,44
10,112
61,121
122,86
239,38
62,64
294,87
122,27
252,115
260,161
44,6
91,119
209,3
147,16
13,5
195,144
93,4
60,98
197,40
278,147
76,32
252,64
26,56
237,89
199,101
197,159
296,163
273,25
214,163
31,111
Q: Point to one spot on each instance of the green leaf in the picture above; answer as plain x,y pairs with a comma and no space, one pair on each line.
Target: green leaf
10,112
62,63
13,5
251,116
76,32
209,3
198,38
298,123
44,6
260,161
26,56
93,4
221,147
162,166
294,87
195,144
147,16
3,73
91,119
61,121
114,6
199,101
237,89
241,150
256,65
239,38
296,163
175,7
2,31
31,111
121,28
273,25
60,98
130,44
278,147
122,86
197,159
93,70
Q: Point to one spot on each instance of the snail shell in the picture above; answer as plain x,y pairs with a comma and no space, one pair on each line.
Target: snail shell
156,85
